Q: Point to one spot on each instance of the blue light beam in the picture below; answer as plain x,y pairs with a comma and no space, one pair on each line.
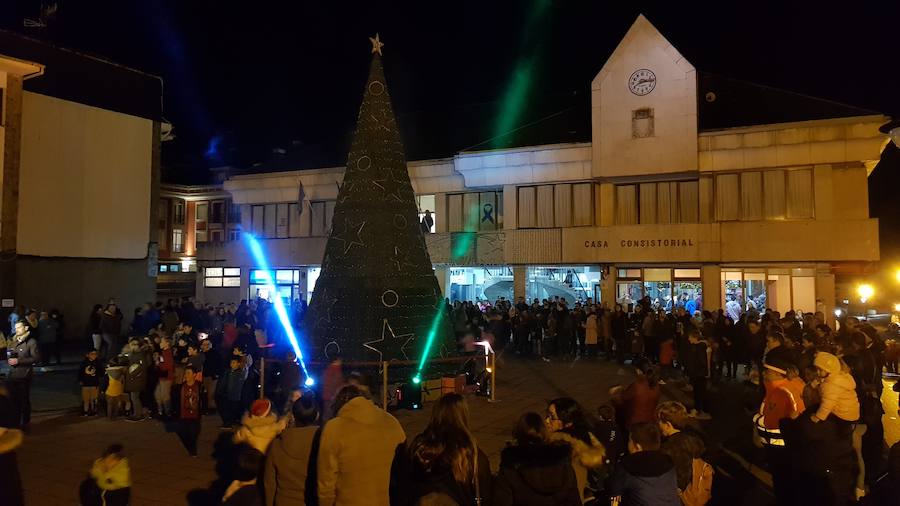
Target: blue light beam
260,258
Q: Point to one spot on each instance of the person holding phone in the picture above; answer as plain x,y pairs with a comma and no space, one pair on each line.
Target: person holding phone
23,353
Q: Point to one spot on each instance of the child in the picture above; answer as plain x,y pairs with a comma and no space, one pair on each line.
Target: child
837,389
115,390
243,491
260,426
189,413
90,383
228,392
165,368
110,481
645,475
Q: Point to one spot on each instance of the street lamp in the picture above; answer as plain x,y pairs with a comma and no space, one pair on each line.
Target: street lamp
865,292
892,129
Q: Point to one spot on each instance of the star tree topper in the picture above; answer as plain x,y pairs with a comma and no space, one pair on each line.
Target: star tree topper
376,45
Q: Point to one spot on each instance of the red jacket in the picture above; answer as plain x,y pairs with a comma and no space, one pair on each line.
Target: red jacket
639,402
166,365
190,401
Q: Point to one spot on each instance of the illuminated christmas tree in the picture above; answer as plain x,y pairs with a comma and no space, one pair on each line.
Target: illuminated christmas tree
377,297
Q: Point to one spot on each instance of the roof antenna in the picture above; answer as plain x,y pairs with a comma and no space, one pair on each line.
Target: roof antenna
48,12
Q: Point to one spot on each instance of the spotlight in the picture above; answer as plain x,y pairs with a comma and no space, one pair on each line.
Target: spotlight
417,379
838,313
309,382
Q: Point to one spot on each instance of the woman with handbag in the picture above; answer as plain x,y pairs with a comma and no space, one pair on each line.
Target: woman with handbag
443,462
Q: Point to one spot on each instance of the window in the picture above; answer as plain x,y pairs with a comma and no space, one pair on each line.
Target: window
689,202
201,221
489,208
234,235
626,205
234,212
526,207
751,196
163,268
642,123
317,215
425,204
257,219
563,205
217,212
647,204
727,197
216,235
215,277
163,214
544,206
286,283
774,205
178,241
178,212
800,202
281,228
270,221
582,204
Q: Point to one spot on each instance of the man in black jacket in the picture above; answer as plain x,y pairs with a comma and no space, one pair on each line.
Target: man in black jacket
23,353
645,475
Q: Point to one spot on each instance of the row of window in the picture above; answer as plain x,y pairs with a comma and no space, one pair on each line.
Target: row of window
287,220
218,277
765,195
471,212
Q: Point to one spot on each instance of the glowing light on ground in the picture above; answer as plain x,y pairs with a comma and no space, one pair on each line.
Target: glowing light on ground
260,258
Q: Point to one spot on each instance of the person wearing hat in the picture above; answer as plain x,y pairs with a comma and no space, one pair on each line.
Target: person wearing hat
260,426
836,388
783,400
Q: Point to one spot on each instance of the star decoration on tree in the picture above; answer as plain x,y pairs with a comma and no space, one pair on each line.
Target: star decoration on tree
385,329
350,242
376,44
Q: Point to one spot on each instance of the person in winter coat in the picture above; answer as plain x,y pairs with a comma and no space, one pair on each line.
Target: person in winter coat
645,476
444,460
260,426
89,378
10,479
291,463
591,333
138,361
534,471
165,370
109,483
111,329
837,390
697,367
356,451
228,392
243,490
22,353
822,461
189,412
619,331
566,422
681,446
48,338
637,403
213,367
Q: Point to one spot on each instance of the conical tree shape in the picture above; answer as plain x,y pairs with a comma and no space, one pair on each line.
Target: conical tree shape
376,297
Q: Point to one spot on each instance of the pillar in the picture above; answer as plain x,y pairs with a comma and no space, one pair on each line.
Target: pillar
443,277
825,295
711,277
608,287
520,278
9,188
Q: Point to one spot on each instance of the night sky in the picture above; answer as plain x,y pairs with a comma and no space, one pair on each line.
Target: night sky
243,78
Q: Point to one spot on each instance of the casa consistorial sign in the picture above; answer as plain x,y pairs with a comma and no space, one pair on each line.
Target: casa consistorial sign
642,243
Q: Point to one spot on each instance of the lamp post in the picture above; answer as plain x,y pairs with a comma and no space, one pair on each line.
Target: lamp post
892,129
865,292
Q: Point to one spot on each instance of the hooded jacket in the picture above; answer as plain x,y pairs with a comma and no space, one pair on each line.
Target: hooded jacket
107,488
259,431
536,475
584,456
645,479
10,480
287,466
838,392
355,455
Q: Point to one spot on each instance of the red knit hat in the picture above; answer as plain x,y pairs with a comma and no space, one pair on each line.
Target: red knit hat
260,407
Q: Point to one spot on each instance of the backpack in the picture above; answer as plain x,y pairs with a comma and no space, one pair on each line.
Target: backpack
699,490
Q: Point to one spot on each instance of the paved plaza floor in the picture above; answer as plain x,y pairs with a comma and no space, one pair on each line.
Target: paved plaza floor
62,445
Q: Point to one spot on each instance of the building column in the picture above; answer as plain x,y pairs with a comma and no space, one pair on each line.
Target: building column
608,287
711,277
443,277
9,188
520,278
825,295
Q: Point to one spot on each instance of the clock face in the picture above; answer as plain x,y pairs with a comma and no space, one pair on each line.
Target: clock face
642,82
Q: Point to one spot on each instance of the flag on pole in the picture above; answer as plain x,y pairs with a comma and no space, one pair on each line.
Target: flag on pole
302,198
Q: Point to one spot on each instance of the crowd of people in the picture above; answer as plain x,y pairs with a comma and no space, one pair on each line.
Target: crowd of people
817,413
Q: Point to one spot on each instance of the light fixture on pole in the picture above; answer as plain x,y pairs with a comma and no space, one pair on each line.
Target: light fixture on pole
892,129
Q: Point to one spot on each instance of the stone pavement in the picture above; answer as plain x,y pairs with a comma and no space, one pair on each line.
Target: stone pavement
59,451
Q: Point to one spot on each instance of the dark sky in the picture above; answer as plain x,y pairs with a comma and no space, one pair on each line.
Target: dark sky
263,74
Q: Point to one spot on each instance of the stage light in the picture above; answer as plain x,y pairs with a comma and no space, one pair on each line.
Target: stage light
417,379
261,262
838,313
309,382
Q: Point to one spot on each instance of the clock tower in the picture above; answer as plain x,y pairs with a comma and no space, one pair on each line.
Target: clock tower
644,108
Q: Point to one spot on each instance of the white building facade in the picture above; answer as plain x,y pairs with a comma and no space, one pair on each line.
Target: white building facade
652,205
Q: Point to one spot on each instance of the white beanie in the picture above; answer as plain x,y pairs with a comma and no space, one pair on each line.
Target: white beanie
827,362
